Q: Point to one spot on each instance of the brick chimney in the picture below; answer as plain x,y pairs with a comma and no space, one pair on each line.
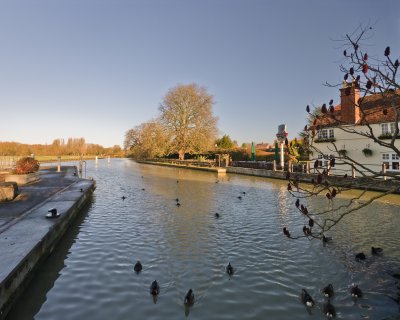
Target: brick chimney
349,95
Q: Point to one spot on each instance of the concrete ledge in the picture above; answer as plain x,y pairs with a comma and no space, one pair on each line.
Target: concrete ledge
22,179
27,244
193,167
8,191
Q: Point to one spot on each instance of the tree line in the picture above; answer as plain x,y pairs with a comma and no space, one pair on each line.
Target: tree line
73,147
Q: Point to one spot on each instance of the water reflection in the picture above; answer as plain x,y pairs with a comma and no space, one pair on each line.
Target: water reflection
187,247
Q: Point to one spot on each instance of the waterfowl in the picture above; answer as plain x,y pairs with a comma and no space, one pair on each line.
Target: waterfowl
240,197
360,256
328,291
177,199
326,239
376,251
53,213
306,298
178,204
356,291
286,232
189,298
138,267
229,269
154,288
243,192
329,310
81,190
123,197
217,215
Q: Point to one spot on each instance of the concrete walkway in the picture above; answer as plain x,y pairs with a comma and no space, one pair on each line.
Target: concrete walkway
26,236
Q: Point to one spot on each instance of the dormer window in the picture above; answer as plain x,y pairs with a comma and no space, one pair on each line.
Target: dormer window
388,128
325,134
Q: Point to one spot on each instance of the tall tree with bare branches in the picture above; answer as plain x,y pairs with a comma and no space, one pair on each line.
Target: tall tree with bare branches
187,116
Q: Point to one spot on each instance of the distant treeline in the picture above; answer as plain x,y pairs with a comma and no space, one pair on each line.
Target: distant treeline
73,146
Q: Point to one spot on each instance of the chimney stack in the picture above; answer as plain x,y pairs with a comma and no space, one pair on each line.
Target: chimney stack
349,95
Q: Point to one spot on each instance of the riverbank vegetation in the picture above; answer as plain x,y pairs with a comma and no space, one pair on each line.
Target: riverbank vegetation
73,147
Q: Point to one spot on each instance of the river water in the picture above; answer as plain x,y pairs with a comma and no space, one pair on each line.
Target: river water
90,274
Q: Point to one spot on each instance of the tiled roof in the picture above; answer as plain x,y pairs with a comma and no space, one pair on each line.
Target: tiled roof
373,109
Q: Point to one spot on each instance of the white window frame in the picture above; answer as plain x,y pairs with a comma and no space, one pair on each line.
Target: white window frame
326,134
391,161
388,127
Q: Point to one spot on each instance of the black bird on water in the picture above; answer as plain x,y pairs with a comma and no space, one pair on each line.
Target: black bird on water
240,197
360,256
356,291
189,298
326,239
376,251
328,291
329,310
217,215
178,204
154,288
306,298
123,197
177,200
229,269
138,267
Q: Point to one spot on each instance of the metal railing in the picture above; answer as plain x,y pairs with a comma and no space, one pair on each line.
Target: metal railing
8,162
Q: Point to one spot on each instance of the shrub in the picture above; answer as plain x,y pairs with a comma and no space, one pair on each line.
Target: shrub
26,165
367,152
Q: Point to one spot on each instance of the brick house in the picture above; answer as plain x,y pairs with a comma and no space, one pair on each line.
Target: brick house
338,131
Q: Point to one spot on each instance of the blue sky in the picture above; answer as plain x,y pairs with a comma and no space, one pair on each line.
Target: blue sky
96,68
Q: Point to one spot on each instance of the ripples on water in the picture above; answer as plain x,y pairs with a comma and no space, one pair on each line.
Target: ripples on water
91,276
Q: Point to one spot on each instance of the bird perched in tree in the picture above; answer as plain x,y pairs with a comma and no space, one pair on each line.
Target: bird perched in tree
306,298
189,298
328,291
138,267
229,269
154,288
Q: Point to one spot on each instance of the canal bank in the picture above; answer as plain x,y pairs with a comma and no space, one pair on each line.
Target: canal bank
378,185
26,237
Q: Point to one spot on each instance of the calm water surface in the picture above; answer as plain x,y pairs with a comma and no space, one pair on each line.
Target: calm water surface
91,276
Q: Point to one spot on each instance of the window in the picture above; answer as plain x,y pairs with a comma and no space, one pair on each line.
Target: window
391,161
388,128
323,159
325,134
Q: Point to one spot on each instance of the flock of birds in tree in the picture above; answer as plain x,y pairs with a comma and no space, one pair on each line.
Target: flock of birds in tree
328,309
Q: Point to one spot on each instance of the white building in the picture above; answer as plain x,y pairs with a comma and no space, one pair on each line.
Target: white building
346,130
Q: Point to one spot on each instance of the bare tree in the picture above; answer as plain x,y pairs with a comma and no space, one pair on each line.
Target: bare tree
186,114
147,140
370,112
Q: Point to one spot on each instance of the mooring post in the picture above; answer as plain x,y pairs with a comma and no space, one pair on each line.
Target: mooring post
59,164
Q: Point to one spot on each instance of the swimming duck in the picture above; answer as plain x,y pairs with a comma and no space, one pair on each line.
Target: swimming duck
360,256
286,232
326,239
376,251
189,298
217,215
356,291
229,269
306,298
178,204
328,291
138,267
123,197
154,288
329,310
239,197
177,199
